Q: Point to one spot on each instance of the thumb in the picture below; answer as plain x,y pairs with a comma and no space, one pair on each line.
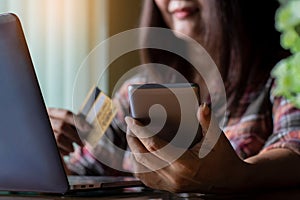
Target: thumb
210,130
204,116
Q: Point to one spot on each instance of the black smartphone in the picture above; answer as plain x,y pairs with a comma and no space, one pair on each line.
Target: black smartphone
168,110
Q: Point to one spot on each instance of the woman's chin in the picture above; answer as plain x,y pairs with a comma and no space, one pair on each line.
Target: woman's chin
184,29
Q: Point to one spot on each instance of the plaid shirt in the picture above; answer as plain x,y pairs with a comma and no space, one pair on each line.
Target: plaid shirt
264,122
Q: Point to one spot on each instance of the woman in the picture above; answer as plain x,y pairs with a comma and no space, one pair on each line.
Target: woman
260,143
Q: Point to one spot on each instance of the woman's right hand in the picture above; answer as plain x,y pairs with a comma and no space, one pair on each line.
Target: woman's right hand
66,130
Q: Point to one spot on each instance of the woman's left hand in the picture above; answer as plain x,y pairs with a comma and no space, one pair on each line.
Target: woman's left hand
221,170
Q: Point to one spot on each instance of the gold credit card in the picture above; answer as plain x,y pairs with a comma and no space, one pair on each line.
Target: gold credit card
98,110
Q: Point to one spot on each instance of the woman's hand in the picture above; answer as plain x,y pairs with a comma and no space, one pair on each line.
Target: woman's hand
221,170
65,126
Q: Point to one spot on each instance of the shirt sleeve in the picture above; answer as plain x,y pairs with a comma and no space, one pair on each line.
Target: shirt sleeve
286,126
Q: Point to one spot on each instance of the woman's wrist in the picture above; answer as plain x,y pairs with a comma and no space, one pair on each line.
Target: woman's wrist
236,179
275,168
241,179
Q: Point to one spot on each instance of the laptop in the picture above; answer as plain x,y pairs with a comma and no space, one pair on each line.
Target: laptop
30,159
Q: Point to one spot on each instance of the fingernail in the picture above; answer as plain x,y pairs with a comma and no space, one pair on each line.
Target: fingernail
206,109
128,121
76,145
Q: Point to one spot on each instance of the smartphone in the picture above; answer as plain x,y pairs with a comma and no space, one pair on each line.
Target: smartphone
168,110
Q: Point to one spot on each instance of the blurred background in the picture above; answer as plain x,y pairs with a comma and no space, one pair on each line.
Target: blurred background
60,35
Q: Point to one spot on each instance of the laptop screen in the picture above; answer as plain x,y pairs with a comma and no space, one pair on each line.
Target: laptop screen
30,160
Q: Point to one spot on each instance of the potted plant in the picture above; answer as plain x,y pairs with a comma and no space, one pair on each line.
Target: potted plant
287,71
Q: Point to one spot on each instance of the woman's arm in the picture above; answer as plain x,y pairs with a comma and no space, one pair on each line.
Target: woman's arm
221,170
274,168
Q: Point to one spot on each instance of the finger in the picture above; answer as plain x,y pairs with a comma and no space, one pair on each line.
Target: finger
204,115
207,120
67,116
143,157
63,152
64,144
62,128
60,114
82,124
210,128
143,134
69,131
146,169
156,146
138,167
151,178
